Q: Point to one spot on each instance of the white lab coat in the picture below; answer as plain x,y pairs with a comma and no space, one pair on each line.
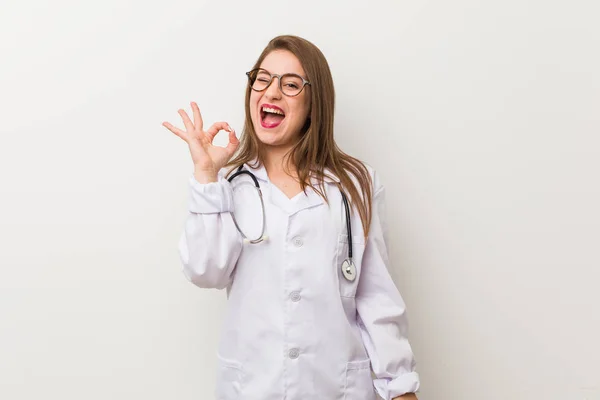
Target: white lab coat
295,328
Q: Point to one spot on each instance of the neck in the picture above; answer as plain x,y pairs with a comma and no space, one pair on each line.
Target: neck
276,159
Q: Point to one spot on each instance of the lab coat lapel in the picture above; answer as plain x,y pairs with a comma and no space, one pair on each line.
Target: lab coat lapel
300,202
305,201
312,198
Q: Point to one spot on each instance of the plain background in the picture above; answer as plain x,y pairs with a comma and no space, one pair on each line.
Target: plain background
481,117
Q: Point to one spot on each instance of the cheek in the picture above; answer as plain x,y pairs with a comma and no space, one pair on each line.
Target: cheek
302,108
305,104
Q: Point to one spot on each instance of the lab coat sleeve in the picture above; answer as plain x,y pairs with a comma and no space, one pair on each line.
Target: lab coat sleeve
382,314
210,244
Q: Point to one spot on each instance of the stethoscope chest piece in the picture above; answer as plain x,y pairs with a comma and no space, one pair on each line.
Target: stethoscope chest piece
349,269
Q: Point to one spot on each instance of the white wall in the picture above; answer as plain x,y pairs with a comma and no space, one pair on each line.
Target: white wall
482,118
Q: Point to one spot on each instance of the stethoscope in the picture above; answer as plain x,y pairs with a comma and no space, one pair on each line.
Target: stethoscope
348,267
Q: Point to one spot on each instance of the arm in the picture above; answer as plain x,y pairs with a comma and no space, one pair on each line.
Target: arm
210,244
382,315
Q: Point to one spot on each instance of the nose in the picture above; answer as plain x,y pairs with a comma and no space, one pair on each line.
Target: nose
273,92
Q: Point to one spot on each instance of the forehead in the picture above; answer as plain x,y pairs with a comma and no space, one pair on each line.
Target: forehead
282,62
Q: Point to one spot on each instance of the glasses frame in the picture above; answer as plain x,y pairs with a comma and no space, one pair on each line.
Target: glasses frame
304,81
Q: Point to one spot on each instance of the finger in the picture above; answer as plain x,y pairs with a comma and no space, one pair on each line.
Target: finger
233,142
216,127
175,130
198,123
189,126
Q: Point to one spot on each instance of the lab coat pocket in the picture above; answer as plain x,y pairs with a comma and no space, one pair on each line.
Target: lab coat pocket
230,379
359,381
348,286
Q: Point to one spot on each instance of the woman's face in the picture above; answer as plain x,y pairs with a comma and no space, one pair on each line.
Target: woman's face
280,128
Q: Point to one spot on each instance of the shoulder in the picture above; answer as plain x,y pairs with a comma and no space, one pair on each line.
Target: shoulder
375,183
223,172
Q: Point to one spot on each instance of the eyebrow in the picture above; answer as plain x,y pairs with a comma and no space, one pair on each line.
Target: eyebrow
287,73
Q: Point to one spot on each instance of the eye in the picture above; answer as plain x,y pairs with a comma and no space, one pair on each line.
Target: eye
261,79
292,85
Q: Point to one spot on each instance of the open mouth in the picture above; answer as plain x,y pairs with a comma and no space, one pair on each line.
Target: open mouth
271,116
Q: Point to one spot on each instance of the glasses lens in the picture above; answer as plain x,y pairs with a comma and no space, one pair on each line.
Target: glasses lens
291,84
260,79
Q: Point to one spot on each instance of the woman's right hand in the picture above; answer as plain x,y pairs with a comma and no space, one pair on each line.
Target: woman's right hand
208,159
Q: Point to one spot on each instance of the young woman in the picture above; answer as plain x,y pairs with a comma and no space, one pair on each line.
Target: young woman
312,310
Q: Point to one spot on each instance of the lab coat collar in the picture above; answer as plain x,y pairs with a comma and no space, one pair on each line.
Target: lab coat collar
261,173
330,177
302,201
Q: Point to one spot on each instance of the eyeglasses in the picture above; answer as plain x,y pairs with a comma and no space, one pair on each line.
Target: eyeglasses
289,84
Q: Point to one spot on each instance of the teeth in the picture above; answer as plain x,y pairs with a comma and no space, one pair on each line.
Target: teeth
272,110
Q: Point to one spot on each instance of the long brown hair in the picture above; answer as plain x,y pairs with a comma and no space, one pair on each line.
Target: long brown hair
316,150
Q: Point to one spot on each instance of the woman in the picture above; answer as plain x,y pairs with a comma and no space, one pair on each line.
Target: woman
303,321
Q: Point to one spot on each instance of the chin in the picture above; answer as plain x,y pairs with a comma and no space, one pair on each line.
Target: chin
273,137
268,138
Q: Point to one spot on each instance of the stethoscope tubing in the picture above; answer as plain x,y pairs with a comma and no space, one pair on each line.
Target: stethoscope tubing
347,266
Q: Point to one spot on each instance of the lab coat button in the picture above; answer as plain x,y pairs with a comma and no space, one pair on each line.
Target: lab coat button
298,242
294,353
295,296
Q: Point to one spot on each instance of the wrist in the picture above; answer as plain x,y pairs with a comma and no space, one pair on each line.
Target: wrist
205,176
407,396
